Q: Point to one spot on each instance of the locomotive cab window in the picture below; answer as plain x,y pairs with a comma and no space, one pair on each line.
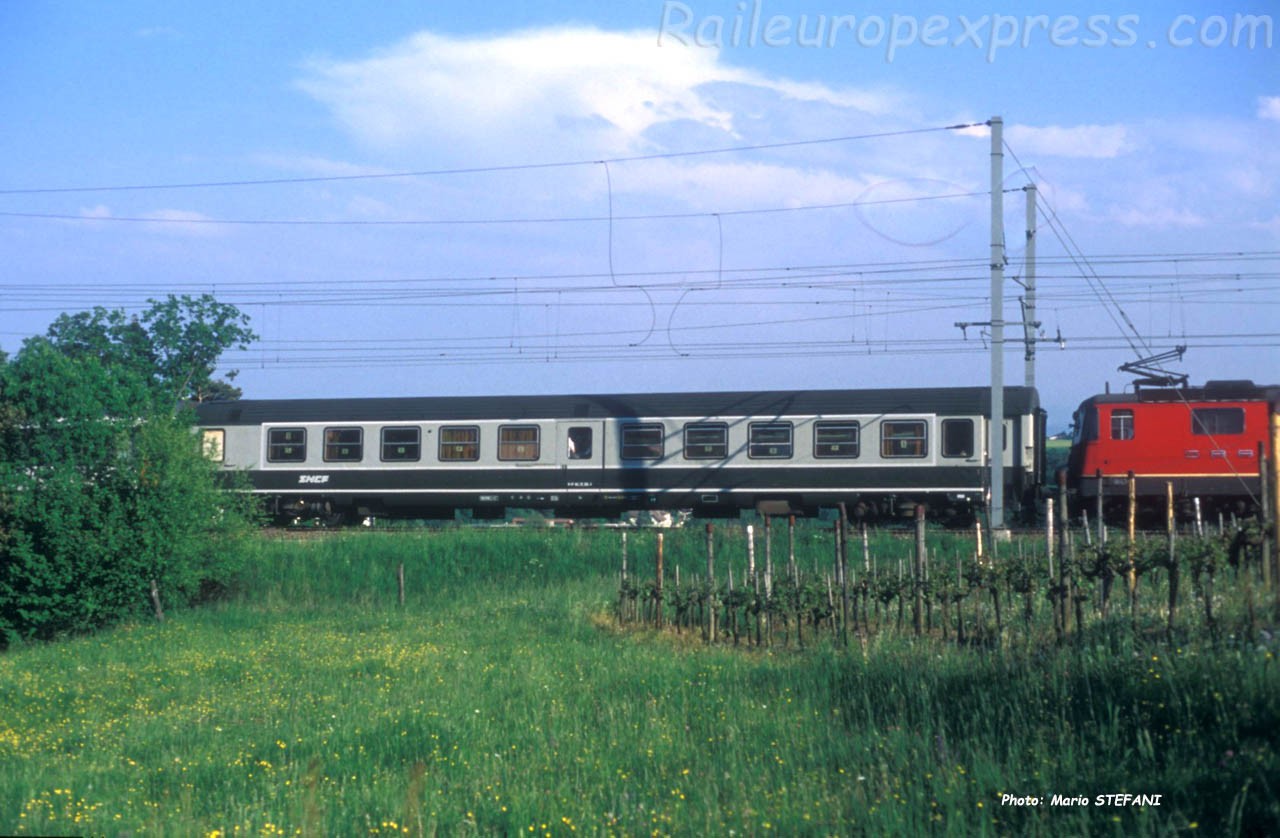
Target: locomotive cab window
1122,423
459,444
642,442
286,445
904,439
836,440
1085,426
1211,421
213,441
957,437
519,442
401,445
769,440
706,441
343,445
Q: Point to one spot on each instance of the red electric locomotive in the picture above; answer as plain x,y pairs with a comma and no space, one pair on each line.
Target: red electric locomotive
1208,441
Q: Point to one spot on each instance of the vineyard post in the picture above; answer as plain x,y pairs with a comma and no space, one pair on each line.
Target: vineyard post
400,582
791,546
917,573
1199,519
657,593
1055,595
867,579
622,589
1275,498
751,568
1066,578
768,561
1048,535
844,575
711,585
1271,534
1132,570
1102,526
753,581
1171,526
1264,478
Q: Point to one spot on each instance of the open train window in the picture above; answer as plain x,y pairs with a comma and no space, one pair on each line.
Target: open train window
286,445
401,445
579,440
213,442
957,437
519,442
642,442
904,438
706,441
1210,421
1122,423
769,440
833,440
343,445
459,443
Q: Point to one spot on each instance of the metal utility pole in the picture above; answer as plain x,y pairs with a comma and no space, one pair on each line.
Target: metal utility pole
1029,324
995,441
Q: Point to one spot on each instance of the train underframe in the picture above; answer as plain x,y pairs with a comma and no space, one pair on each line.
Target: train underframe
950,509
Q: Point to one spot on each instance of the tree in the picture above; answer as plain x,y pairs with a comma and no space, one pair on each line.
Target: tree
103,488
174,345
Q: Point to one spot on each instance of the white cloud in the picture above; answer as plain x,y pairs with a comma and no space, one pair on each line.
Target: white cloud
1269,108
1157,217
567,90
1088,141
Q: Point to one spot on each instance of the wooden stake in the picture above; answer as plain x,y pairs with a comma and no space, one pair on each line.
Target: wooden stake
657,599
1171,527
711,585
917,573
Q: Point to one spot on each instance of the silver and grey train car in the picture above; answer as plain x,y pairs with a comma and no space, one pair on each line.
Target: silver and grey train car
878,451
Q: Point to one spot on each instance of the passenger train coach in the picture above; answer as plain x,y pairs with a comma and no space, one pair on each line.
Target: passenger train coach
878,451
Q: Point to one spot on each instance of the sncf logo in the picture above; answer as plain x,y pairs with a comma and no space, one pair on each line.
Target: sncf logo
312,479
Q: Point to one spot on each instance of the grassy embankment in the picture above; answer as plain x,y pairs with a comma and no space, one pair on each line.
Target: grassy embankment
501,699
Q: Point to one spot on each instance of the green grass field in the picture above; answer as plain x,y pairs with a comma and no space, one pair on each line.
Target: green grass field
502,698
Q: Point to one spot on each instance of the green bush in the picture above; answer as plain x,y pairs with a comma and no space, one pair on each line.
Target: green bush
104,495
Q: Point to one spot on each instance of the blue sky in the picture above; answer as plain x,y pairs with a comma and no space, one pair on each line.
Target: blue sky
1151,130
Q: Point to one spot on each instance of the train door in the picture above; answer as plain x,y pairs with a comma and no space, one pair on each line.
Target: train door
580,447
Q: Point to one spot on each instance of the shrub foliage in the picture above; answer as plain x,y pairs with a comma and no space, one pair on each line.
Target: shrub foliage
104,493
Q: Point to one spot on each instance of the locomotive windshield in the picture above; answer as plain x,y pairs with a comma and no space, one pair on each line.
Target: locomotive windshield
1085,425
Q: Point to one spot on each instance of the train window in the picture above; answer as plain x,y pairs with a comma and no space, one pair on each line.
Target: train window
706,441
286,445
836,440
213,442
1085,426
903,439
1208,421
580,443
518,442
459,444
401,445
1122,424
642,442
769,440
343,445
957,437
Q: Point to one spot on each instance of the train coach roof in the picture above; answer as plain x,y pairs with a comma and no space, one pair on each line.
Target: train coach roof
950,400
